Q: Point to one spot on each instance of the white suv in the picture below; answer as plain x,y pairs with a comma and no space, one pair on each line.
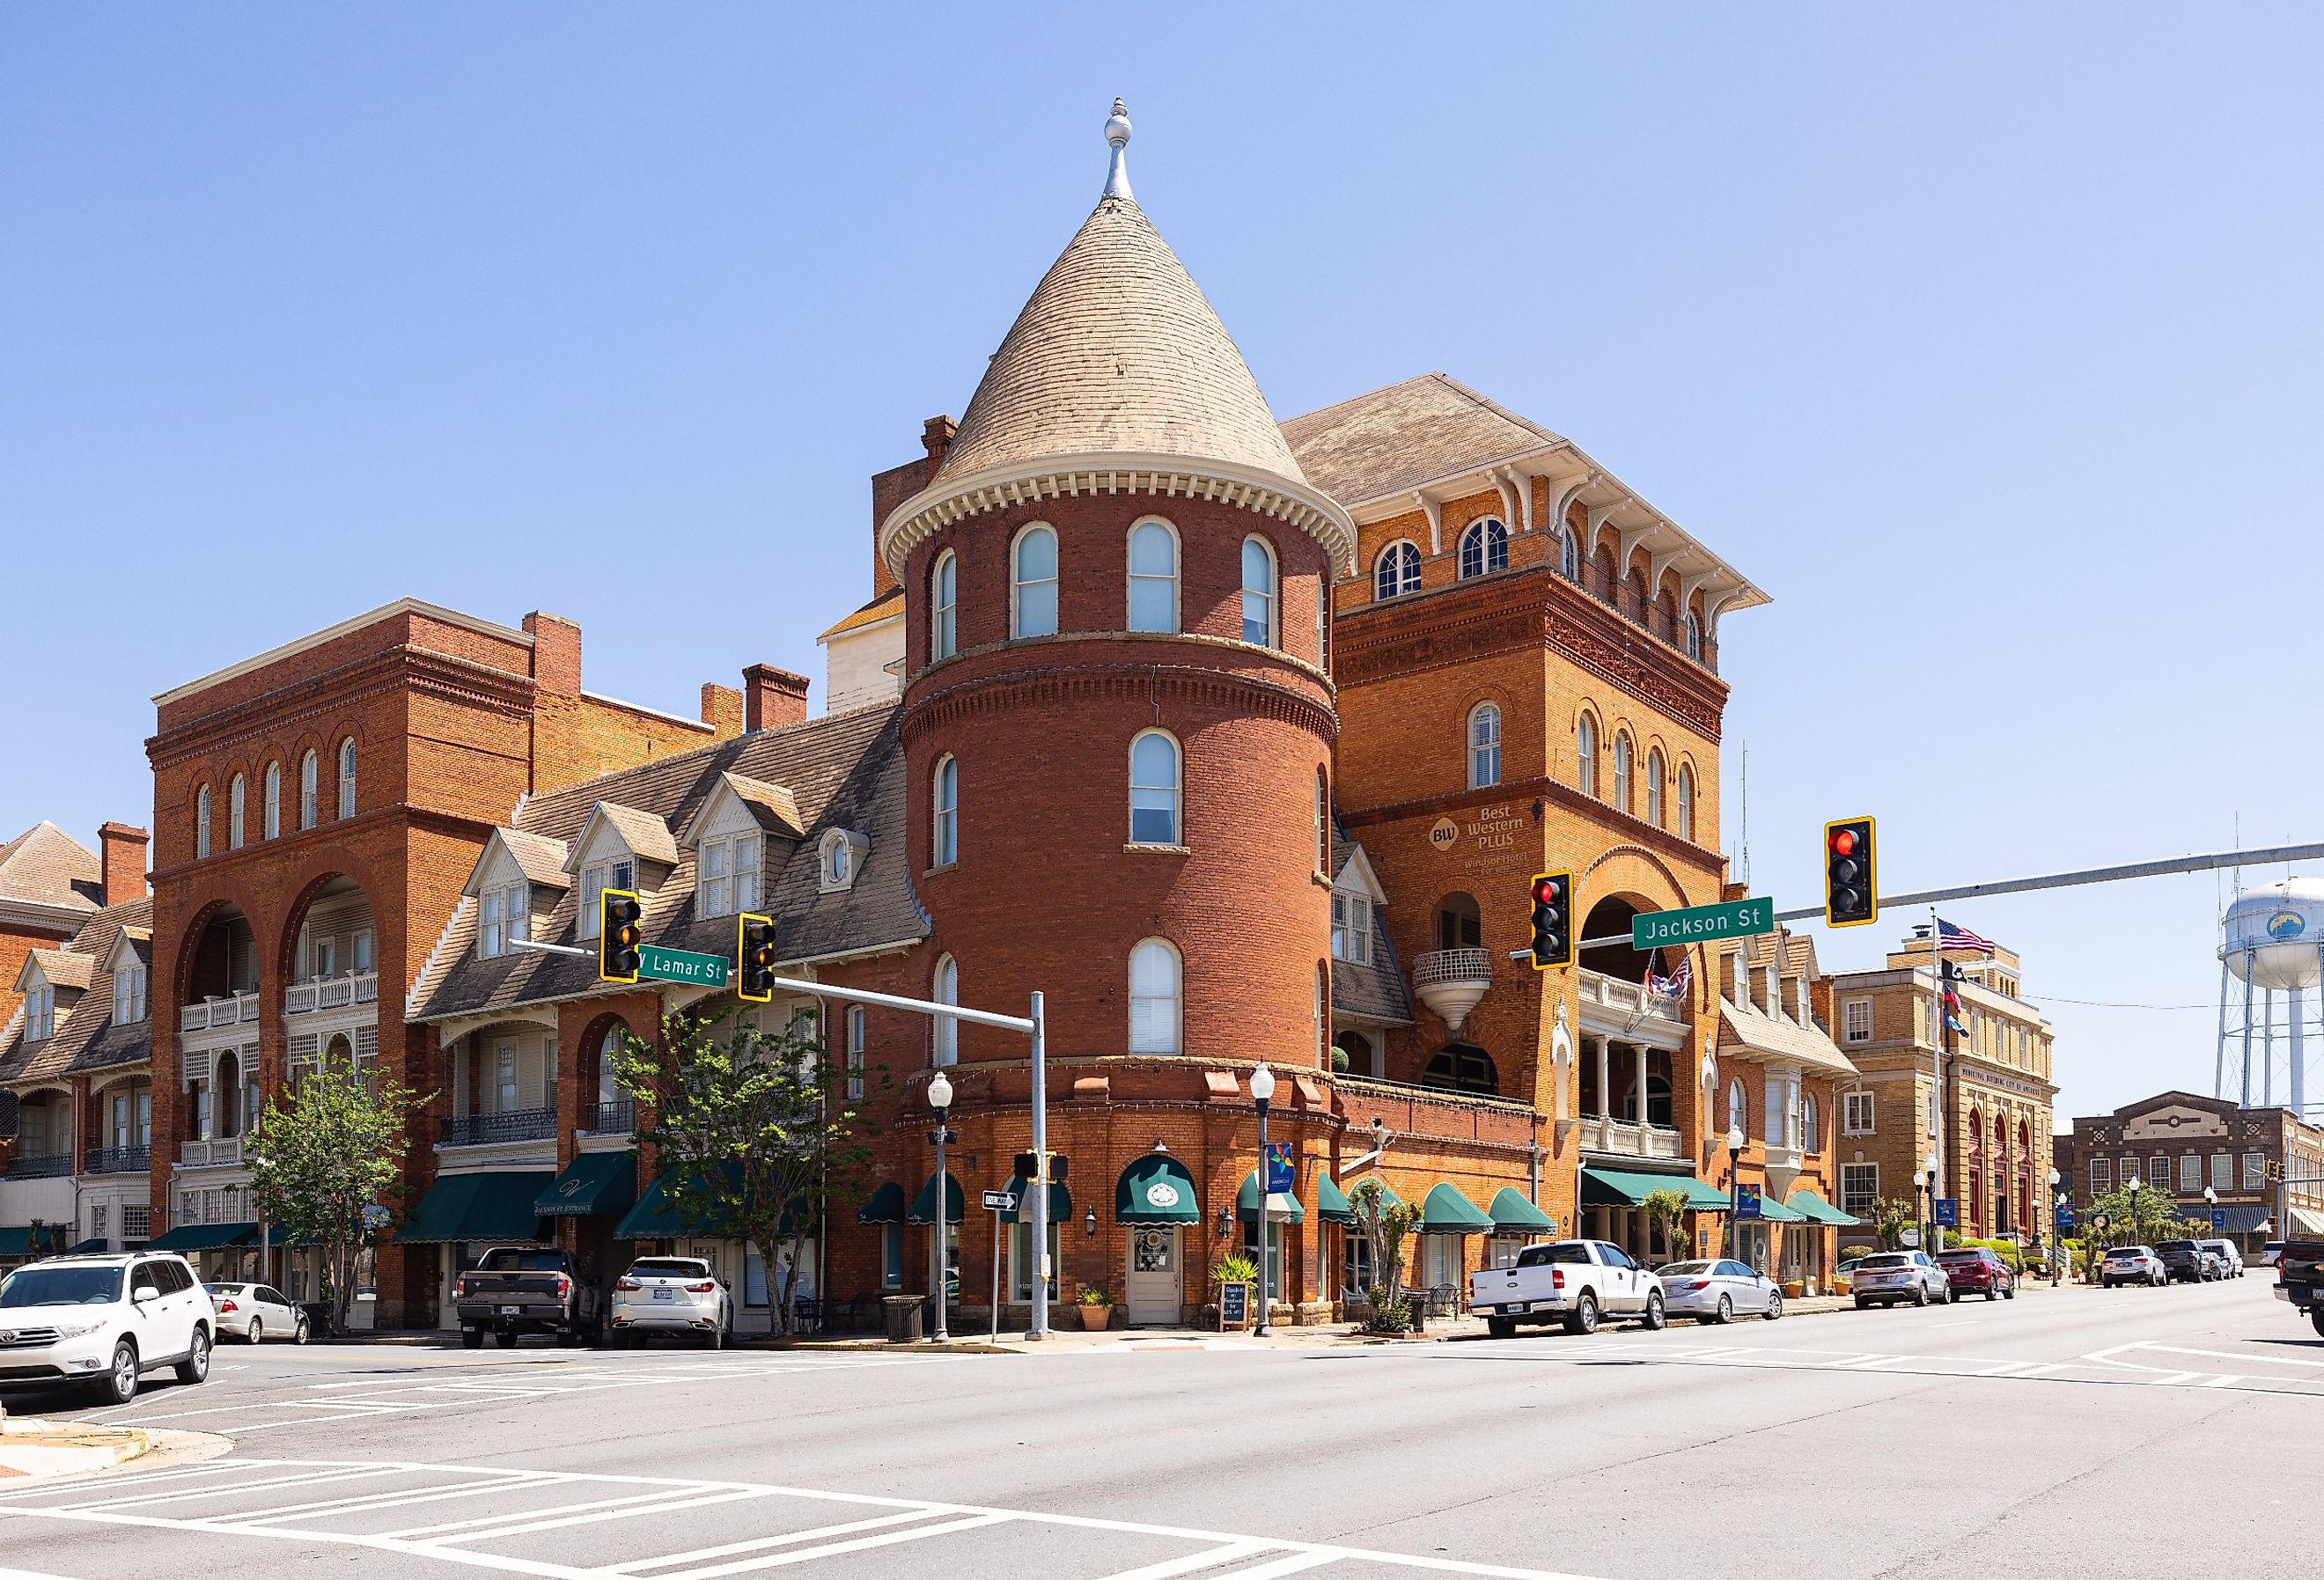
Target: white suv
105,1321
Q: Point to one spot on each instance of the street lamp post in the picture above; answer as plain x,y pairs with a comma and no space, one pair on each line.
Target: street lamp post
940,1099
1262,1089
2057,1233
2132,1186
1734,1138
1933,1241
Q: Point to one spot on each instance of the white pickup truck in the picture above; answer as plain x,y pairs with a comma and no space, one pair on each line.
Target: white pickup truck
1572,1281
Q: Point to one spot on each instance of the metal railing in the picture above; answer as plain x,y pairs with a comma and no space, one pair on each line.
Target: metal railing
616,1118
1447,966
47,1165
239,1009
208,1154
118,1161
521,1124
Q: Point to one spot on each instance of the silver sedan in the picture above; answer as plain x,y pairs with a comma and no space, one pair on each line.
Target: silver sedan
1717,1291
257,1312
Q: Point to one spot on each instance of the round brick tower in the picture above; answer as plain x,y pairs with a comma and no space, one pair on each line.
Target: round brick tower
1116,717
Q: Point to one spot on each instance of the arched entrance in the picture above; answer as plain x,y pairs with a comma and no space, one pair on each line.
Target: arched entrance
1160,1210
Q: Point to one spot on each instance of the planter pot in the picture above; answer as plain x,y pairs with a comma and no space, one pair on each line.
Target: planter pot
1094,1318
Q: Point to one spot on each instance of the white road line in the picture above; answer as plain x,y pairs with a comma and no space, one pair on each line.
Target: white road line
309,1478
2172,1378
395,1499
1286,1566
2224,1380
760,1544
1209,1559
830,1549
476,1527
2229,1355
728,1495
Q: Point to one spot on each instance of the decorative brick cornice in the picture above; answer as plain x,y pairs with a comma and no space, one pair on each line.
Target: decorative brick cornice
332,693
1114,679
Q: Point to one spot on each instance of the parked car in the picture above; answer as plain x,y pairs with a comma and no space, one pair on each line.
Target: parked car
1886,1277
2299,1273
1572,1281
105,1321
1975,1269
670,1294
516,1290
2183,1261
2133,1264
2227,1255
2215,1266
254,1313
1714,1292
2271,1253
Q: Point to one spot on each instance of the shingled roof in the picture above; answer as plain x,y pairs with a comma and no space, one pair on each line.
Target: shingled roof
86,1038
44,866
1395,440
843,771
1377,990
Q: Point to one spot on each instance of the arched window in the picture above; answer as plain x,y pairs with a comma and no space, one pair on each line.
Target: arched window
307,789
1153,577
943,594
271,801
1738,1108
234,814
1259,592
1397,571
945,990
1154,789
1154,992
1459,925
1685,800
1322,824
1622,776
202,821
609,1083
944,848
1462,1066
1322,1017
1585,761
1033,585
1484,746
1484,547
1569,554
347,777
1693,637
1655,786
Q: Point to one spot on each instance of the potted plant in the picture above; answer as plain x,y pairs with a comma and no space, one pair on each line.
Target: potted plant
1097,1309
1232,1269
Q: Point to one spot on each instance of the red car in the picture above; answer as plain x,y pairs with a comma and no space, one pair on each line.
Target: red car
1974,1270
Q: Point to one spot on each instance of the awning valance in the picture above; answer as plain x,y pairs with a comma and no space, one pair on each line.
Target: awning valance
17,1240
592,1184
656,1217
477,1208
1513,1215
204,1237
924,1205
1281,1206
1625,1188
1445,1211
883,1205
1156,1189
1331,1201
1061,1202
1816,1210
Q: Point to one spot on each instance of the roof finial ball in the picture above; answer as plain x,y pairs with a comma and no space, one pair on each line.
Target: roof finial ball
1117,137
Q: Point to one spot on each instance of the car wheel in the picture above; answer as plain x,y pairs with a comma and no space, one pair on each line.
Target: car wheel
1775,1305
1991,1294
1862,1304
1501,1327
1919,1294
2316,1319
2010,1293
195,1366
119,1383
717,1337
257,1331
1725,1314
1654,1315
1585,1319
298,1330
472,1338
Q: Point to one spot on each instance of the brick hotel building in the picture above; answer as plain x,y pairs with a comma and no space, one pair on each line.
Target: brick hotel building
1239,740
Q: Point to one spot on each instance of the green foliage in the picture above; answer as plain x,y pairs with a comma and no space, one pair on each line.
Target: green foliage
1234,1268
1390,1317
1667,1210
329,1149
1096,1295
1385,1223
750,1134
1891,1216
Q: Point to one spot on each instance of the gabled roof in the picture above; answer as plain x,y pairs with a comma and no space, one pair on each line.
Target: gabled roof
1376,990
1394,439
542,861
1743,1029
47,866
888,605
86,1038
646,836
58,967
774,809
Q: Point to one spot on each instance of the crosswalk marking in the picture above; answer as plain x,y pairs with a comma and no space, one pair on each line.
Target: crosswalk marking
831,1549
1209,1559
760,1544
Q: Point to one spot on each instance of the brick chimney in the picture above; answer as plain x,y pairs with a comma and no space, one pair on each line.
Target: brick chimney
721,709
122,862
892,488
772,697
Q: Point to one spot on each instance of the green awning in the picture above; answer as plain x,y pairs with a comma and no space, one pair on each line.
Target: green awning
1772,1211
479,1208
1156,1189
924,1205
1513,1215
1623,1188
1389,1198
93,1244
1061,1202
883,1205
16,1240
656,1216
1331,1201
1284,1208
592,1184
1808,1204
205,1237
1445,1211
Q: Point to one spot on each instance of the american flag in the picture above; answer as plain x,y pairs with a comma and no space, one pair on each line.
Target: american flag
1674,985
1949,937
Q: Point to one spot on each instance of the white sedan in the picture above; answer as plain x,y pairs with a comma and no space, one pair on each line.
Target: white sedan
256,1313
1715,1291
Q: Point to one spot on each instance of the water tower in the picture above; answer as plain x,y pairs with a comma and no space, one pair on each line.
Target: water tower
2272,941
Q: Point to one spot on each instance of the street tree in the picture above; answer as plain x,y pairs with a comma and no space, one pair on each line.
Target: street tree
328,1153
1666,1210
752,1133
1384,1221
1891,1216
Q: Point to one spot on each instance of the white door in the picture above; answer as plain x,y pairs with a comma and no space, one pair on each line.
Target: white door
1153,1278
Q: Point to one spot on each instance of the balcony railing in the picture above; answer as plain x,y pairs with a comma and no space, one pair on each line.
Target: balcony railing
209,1154
1629,1140
616,1118
1628,999
1449,982
331,992
118,1161
47,1165
523,1124
239,1009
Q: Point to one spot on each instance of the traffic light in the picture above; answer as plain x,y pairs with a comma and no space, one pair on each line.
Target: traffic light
1553,919
754,958
1851,895
1027,1166
618,935
2275,1173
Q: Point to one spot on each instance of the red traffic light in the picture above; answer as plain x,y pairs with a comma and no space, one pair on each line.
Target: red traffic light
1843,842
1547,891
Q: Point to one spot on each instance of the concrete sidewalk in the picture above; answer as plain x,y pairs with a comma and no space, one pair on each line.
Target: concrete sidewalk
35,1447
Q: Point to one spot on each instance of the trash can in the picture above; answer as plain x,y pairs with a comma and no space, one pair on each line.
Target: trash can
903,1318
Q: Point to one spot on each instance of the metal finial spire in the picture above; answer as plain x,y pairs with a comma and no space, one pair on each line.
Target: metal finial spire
1117,137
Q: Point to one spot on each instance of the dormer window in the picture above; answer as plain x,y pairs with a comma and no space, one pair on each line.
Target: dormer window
596,879
1351,928
727,875
839,856
129,992
506,917
39,1012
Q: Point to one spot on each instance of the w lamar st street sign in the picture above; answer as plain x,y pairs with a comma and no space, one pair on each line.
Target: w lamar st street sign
684,966
1695,924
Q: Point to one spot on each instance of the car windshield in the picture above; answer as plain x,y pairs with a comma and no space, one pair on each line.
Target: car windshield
1961,1256
2176,1245
1887,1259
523,1262
1536,1255
1684,1269
61,1286
664,1267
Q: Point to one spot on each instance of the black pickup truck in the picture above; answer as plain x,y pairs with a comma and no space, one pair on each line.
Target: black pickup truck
516,1289
2299,1278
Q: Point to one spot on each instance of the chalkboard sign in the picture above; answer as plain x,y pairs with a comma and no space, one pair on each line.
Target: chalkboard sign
1235,1305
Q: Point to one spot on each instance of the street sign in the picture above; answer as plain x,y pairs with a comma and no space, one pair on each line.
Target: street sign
1000,1201
2219,1220
1278,1169
660,964
1695,924
1746,1201
1948,1212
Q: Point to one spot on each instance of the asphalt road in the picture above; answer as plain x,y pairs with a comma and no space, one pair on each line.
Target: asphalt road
2066,1430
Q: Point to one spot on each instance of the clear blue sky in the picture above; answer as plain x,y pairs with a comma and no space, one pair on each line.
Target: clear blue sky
1987,343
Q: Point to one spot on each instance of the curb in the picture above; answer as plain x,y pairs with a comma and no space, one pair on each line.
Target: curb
34,1448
